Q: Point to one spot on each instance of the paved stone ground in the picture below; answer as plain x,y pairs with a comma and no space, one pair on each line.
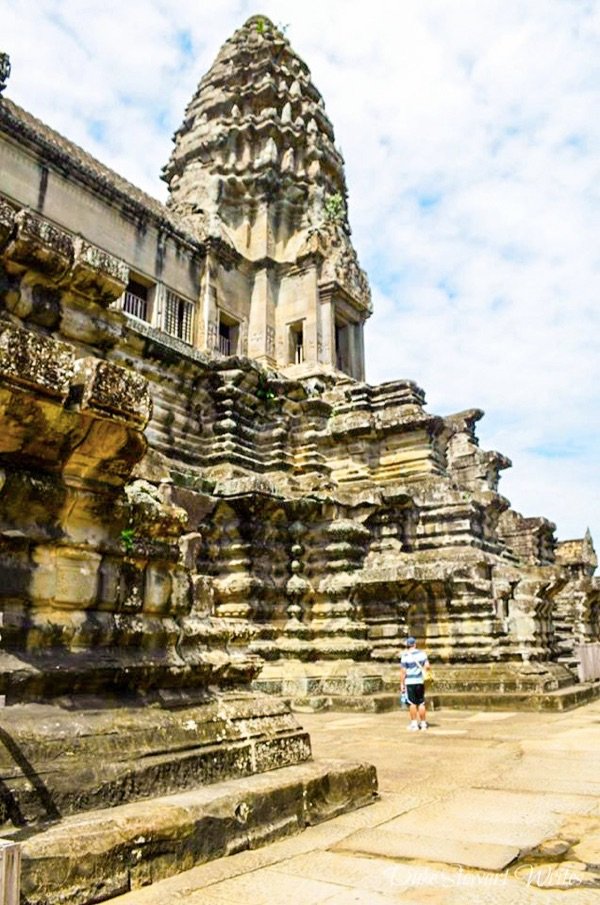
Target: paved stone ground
486,808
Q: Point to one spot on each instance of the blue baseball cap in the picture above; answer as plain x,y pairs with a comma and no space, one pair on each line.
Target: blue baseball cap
410,641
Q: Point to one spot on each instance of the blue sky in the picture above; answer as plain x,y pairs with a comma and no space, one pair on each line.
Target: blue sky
471,136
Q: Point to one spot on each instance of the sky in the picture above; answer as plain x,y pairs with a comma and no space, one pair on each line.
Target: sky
471,135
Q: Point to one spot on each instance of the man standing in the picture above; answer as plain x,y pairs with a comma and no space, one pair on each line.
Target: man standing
413,666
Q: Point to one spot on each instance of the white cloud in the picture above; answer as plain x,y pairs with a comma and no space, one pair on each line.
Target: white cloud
471,139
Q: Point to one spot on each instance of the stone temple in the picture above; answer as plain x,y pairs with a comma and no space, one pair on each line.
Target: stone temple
208,519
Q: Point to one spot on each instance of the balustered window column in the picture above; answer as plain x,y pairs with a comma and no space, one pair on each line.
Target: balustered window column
228,336
137,300
296,343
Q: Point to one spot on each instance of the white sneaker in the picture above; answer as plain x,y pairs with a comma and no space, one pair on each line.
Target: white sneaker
413,726
423,724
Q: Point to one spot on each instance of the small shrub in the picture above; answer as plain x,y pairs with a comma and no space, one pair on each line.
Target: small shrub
128,539
265,391
335,208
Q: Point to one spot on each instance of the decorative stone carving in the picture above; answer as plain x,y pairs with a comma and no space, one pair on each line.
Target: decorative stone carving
298,589
4,70
340,263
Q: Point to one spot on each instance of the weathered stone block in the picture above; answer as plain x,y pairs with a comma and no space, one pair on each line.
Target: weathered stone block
37,362
106,453
157,589
88,858
112,391
64,577
36,303
96,274
85,323
7,221
40,246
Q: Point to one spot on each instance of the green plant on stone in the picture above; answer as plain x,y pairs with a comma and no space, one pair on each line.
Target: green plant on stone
264,390
335,208
128,539
261,26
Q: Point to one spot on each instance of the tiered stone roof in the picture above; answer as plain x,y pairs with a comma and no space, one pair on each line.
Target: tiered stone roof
255,130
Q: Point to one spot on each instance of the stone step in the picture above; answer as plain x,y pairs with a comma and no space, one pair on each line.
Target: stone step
363,703
81,754
489,699
96,855
565,698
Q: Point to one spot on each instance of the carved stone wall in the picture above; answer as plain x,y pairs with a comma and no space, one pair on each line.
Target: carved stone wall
102,599
321,520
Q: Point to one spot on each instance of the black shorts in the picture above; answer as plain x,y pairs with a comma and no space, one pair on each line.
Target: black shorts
416,694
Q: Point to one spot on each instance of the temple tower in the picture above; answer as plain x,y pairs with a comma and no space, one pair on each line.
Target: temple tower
256,176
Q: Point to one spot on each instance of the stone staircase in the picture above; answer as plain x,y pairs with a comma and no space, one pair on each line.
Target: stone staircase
92,856
105,799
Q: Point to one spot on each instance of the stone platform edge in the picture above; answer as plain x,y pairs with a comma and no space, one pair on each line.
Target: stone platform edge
532,701
96,855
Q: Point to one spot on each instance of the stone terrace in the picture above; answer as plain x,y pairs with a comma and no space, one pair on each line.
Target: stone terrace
486,808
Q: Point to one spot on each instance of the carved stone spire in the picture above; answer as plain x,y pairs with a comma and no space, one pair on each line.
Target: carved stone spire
256,175
257,148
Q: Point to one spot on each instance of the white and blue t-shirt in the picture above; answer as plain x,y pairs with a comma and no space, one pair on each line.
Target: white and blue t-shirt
413,661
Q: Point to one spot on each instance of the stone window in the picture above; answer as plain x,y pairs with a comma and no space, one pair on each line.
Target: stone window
137,299
342,347
296,343
228,336
179,317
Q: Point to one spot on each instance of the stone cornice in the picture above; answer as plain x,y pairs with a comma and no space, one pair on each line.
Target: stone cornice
332,289
68,158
